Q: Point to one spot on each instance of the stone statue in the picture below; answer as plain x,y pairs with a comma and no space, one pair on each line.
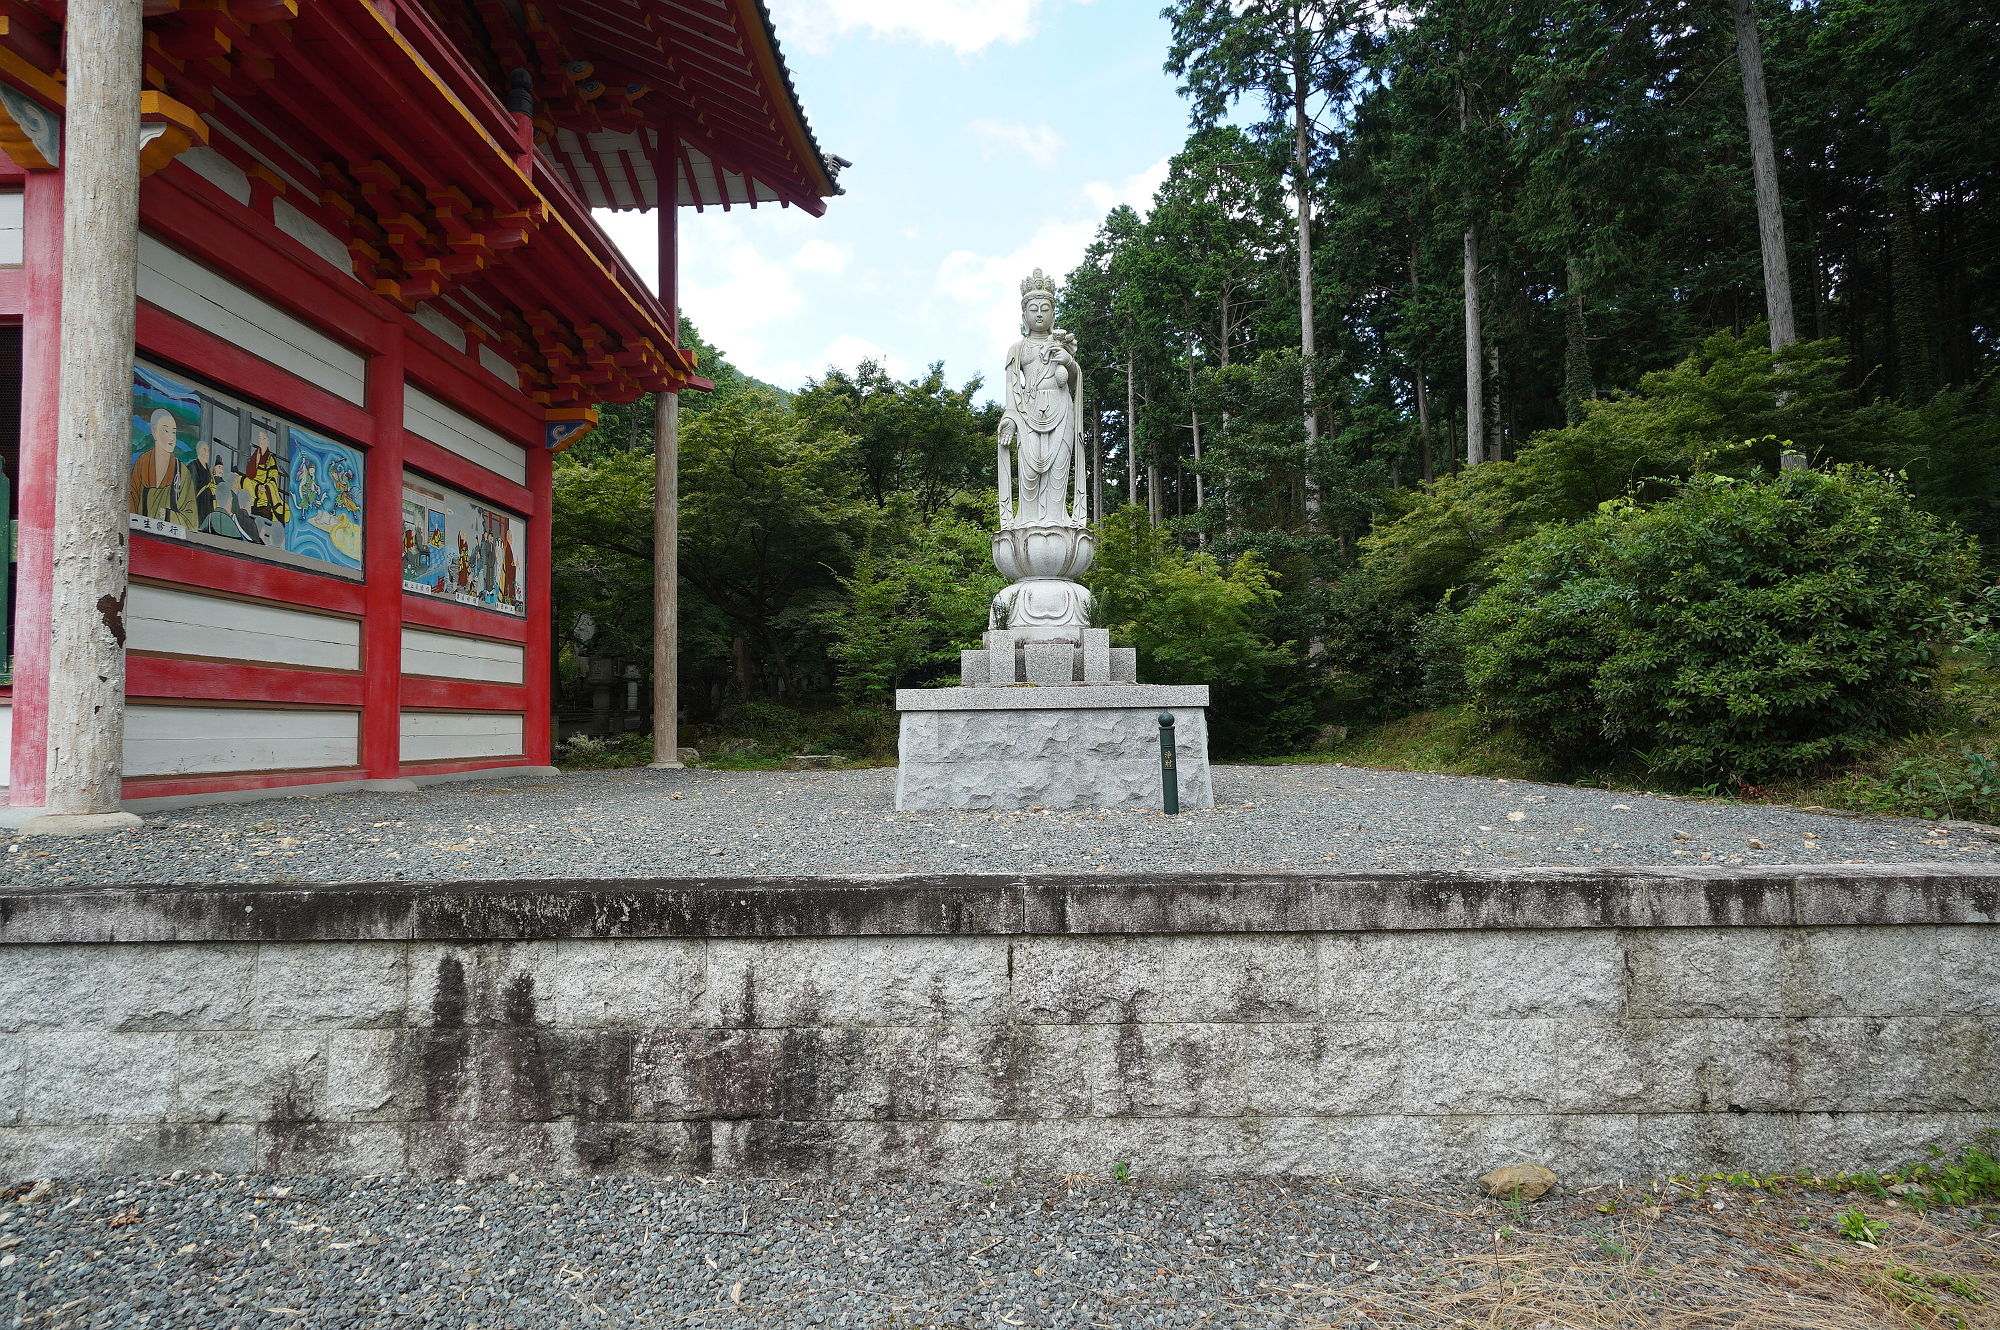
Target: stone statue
1044,541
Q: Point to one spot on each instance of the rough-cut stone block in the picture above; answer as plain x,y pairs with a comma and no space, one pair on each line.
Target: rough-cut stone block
623,983
1559,973
251,1076
369,1077
637,1149
959,1150
12,1051
1096,652
1870,972
859,981
1083,756
1709,971
1970,960
1060,980
1638,1066
857,1073
487,1149
91,1077
365,1148
1124,664
1854,1142
1176,1147
149,986
685,1074
1050,663
84,1151
330,984
1914,1063
973,671
1483,1066
1270,1070
1003,661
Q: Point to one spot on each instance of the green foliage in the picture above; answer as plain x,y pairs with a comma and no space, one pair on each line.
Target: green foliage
588,753
1741,630
1195,619
1856,1226
909,610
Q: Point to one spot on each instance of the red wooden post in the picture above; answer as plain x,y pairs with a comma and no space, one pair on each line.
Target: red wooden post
35,487
382,630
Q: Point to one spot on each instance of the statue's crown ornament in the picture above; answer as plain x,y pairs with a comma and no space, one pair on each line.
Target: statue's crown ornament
1037,285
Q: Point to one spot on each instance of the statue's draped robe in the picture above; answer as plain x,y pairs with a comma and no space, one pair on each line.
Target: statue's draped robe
1039,400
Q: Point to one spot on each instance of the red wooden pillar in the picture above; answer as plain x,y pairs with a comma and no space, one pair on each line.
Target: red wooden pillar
35,494
382,632
539,666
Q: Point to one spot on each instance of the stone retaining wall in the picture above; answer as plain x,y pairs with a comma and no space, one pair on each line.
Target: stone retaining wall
1613,1024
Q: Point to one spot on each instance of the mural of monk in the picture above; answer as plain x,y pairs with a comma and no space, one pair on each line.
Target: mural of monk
161,486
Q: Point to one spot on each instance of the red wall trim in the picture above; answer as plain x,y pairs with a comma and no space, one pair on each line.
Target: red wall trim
164,787
13,290
230,681
198,567
446,467
427,612
462,695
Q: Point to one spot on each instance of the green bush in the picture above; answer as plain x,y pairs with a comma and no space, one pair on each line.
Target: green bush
1741,630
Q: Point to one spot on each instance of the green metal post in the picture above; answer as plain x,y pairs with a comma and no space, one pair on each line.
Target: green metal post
1170,784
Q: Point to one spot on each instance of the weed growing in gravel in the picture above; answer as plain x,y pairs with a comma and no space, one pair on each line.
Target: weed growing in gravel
1856,1226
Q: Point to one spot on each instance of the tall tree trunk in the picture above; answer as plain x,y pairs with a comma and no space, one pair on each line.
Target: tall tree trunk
1475,381
1153,491
1417,368
1764,171
1131,434
1475,365
1911,313
1194,433
1097,463
1577,386
1302,170
1495,435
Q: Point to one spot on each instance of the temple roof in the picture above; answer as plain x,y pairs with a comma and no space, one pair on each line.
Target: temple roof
711,69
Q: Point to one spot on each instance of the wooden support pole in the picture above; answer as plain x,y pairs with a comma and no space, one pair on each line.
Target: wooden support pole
666,478
86,676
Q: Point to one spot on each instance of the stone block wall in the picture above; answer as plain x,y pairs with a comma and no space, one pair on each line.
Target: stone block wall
950,1044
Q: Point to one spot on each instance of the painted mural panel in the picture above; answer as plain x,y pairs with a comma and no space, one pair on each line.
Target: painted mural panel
458,548
212,470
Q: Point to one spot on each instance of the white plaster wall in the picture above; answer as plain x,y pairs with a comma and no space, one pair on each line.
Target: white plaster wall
499,366
448,656
313,236
435,736
183,287
454,431
187,623
186,741
437,321
219,171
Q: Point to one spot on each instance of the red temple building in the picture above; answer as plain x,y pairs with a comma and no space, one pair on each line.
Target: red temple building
371,306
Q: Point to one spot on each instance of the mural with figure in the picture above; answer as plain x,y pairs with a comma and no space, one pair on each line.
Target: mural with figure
212,470
457,548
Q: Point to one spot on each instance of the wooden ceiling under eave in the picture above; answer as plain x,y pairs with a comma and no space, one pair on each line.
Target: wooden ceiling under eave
713,72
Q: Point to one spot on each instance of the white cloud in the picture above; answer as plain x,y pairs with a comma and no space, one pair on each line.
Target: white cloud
1038,143
1136,189
844,352
984,290
966,26
821,257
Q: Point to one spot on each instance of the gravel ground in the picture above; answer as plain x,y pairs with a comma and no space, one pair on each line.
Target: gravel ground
618,824
220,1251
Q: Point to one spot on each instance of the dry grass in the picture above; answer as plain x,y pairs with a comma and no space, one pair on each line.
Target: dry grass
1691,1272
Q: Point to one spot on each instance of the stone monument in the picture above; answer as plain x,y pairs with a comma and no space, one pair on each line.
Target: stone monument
1048,713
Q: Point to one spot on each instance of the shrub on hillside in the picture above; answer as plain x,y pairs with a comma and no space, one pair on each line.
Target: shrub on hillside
1743,629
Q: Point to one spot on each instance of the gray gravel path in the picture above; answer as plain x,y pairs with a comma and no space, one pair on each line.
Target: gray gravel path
677,823
242,1252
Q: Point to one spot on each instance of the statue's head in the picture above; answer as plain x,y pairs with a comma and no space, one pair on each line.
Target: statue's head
1038,303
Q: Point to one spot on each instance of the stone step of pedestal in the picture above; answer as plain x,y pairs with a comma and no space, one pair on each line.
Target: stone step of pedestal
1006,661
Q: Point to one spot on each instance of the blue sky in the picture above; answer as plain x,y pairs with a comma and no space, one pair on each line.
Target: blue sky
987,139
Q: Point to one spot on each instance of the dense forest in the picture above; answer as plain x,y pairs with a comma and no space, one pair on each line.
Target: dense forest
1446,315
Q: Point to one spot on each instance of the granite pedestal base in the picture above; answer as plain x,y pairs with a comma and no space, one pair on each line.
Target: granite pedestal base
1066,746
